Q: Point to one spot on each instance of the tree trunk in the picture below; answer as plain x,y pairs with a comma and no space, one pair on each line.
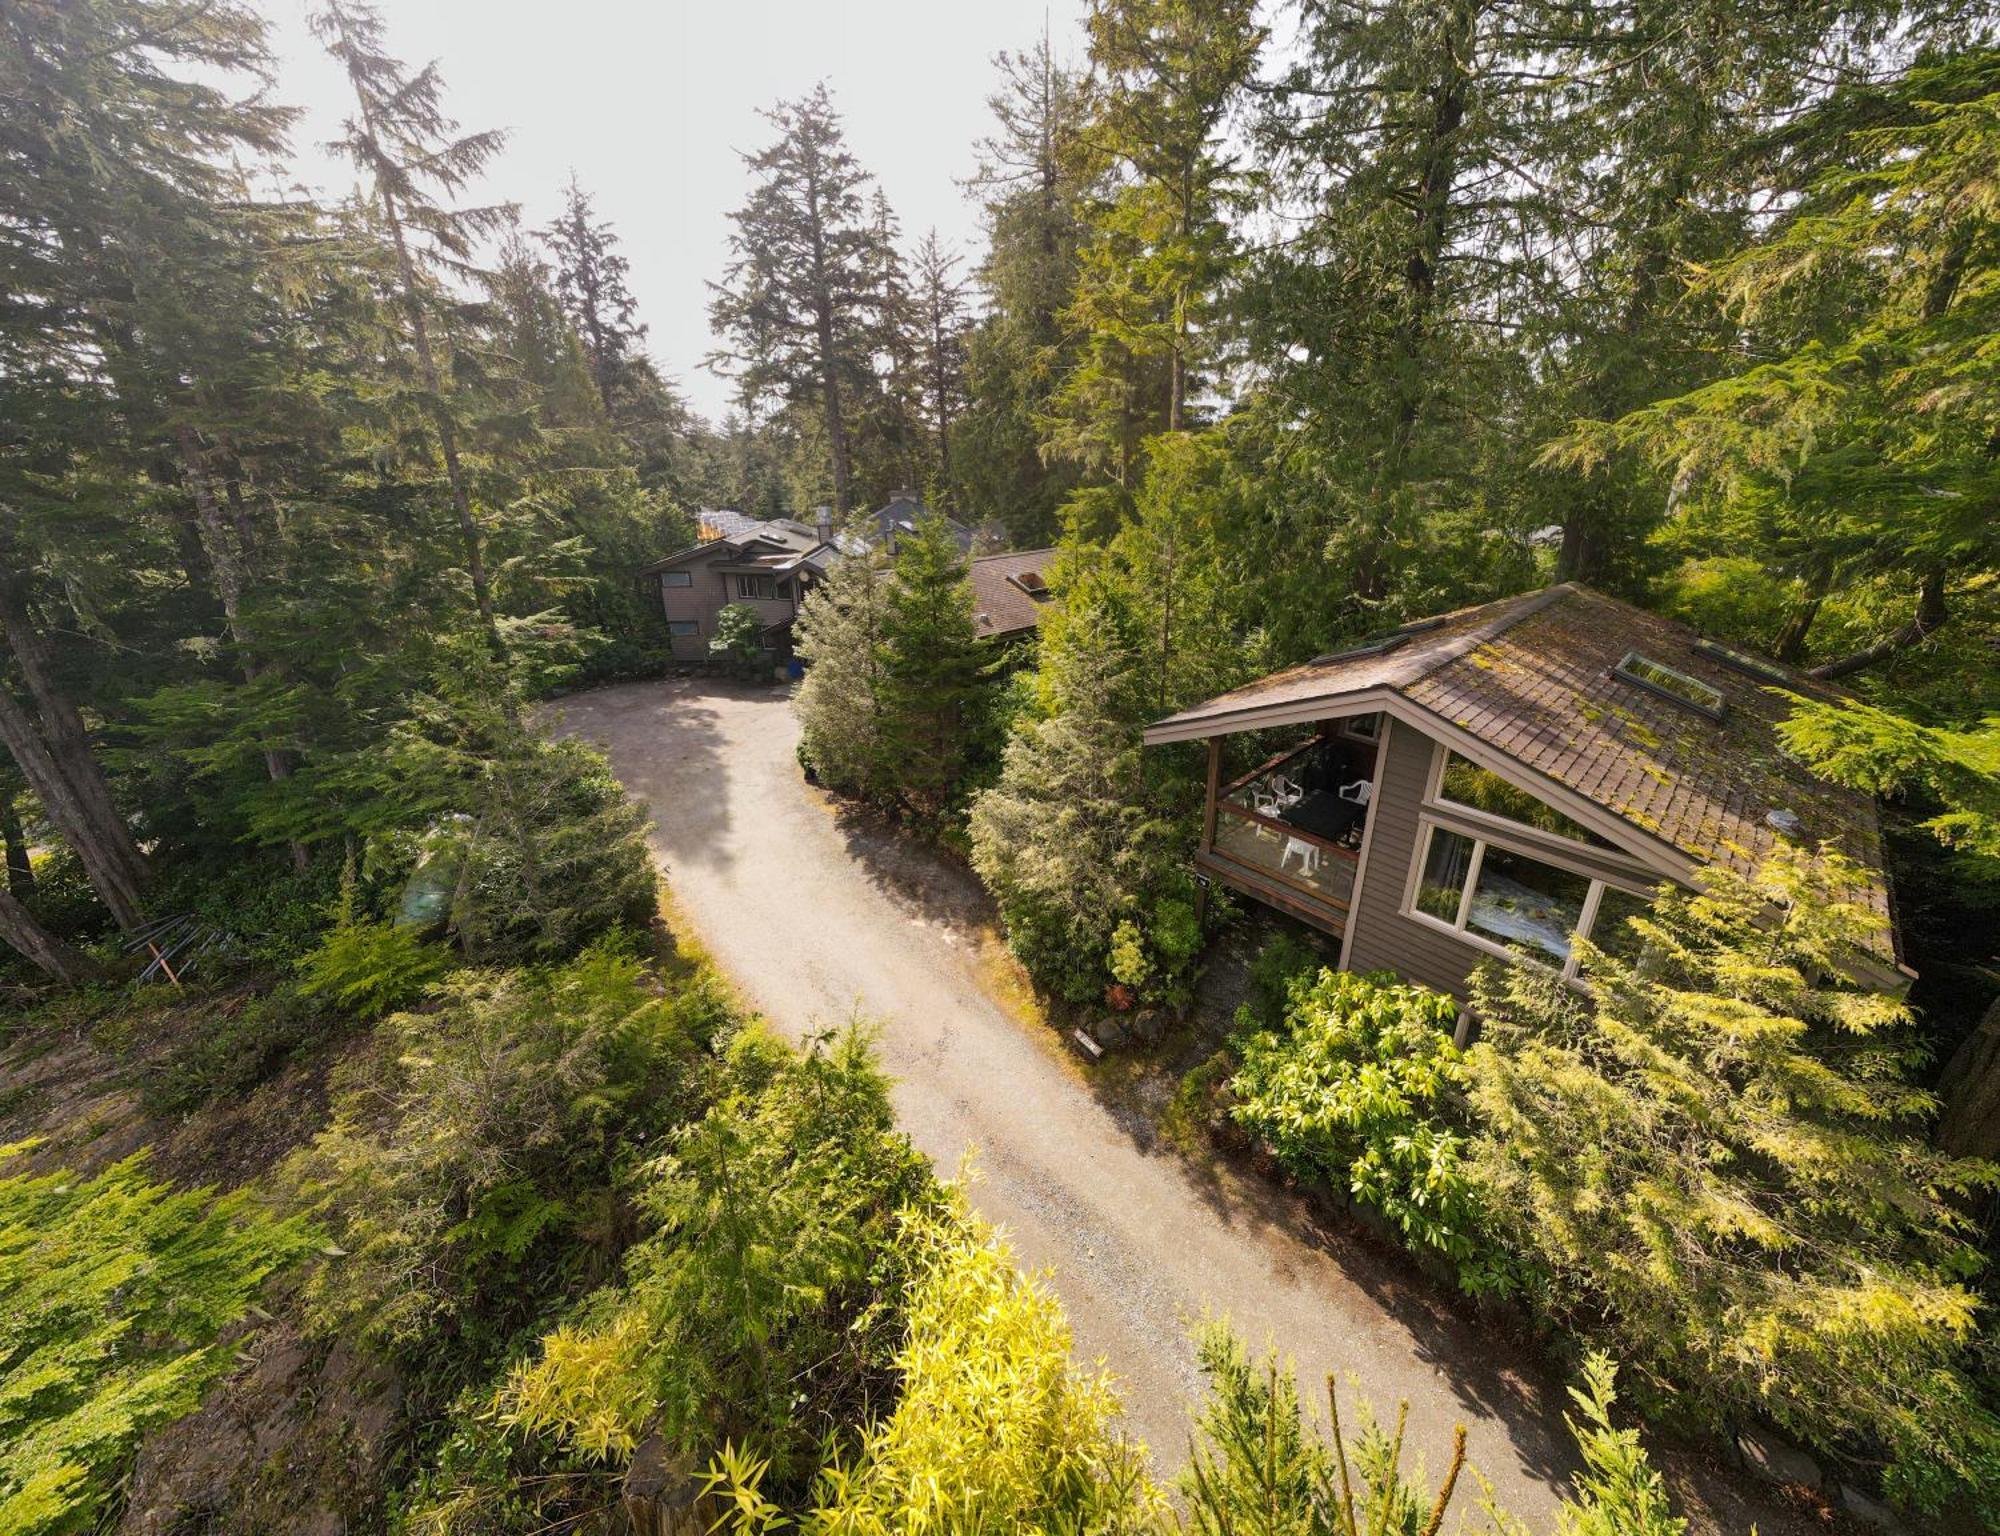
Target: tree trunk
30,939
1971,1087
20,865
1926,621
101,864
94,814
226,548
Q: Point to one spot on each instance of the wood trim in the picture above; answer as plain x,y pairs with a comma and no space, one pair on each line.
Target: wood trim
1316,910
1381,742
1214,778
1289,830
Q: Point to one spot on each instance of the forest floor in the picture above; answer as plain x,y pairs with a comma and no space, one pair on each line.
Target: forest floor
819,914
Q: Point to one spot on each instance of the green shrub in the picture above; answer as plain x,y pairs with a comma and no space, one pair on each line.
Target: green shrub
117,1289
232,1048
1351,1089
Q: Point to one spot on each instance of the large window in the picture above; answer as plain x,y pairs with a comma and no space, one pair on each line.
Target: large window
756,587
1502,899
676,578
683,627
1466,783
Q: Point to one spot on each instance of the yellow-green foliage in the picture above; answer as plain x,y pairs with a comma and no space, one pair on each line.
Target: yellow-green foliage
762,1310
1719,1152
115,1289
996,1428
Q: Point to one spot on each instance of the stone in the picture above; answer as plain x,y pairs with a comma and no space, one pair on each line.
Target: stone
1772,1459
1871,1511
1149,1026
1111,1031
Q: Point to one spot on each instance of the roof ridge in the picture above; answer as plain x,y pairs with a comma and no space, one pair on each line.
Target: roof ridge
1522,605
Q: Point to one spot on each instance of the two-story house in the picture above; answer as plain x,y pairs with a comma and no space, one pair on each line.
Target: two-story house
769,566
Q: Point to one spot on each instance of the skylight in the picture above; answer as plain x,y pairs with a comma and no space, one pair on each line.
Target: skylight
1366,648
1031,583
1656,677
1742,661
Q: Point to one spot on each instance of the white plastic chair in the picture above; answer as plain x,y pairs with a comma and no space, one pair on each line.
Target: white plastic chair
1288,792
1358,792
1263,802
1308,855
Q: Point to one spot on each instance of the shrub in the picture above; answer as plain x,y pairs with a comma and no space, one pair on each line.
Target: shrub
1351,1089
234,1047
117,1290
736,644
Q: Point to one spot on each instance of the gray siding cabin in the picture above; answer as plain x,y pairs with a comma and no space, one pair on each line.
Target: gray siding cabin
1498,780
770,566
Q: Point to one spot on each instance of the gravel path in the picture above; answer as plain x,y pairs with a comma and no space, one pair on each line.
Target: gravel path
819,917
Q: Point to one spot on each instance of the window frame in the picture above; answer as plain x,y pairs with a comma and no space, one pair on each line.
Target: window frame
750,580
681,629
1624,673
1428,828
677,580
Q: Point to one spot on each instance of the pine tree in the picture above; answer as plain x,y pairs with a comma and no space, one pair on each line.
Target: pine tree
590,279
799,301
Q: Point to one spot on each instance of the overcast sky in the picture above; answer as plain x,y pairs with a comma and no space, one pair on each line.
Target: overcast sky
652,103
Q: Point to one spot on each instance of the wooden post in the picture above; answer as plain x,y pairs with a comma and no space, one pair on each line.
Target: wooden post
1214,785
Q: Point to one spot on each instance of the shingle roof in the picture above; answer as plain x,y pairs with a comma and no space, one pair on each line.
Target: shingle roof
1001,603
1534,678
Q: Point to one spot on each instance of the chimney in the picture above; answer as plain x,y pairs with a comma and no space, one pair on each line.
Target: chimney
823,520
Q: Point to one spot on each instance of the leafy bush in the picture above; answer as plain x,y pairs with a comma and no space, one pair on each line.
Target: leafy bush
995,1427
1350,1089
1714,1158
117,1290
370,968
737,644
764,1309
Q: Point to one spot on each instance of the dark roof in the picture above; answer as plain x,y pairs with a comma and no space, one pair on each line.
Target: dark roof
1002,600
779,544
1534,677
721,523
901,514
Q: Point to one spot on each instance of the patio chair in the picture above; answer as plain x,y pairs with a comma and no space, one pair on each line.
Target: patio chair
1288,792
1307,854
1359,791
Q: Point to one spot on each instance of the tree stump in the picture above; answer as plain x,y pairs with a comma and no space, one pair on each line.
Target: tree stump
662,1496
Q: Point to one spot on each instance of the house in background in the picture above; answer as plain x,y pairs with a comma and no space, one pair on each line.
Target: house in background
770,566
1498,780
1009,593
898,519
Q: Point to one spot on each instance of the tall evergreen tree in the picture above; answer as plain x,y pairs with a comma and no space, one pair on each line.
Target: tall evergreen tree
939,330
590,279
930,671
799,302
416,164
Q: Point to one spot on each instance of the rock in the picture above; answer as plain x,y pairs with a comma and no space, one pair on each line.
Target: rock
1772,1459
1111,1031
1871,1511
1149,1026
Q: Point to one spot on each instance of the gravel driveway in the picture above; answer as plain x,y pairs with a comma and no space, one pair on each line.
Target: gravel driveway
818,917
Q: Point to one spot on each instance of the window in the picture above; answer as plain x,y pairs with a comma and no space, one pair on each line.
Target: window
1480,789
1743,661
1688,692
676,578
683,627
756,587
1519,900
1504,900
1362,727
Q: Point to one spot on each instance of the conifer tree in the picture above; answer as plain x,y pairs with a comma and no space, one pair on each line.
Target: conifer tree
1717,1148
930,669
416,164
839,635
590,279
799,302
939,314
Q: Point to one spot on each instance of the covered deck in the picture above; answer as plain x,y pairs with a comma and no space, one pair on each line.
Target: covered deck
1289,831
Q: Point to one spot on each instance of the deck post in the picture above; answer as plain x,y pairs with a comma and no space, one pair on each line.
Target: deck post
1214,786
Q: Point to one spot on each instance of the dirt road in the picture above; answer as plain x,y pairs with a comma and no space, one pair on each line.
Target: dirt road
817,917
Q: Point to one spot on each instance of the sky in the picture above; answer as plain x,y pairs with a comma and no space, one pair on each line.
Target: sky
652,105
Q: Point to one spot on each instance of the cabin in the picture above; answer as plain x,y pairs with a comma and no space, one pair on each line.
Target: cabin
1499,780
770,566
